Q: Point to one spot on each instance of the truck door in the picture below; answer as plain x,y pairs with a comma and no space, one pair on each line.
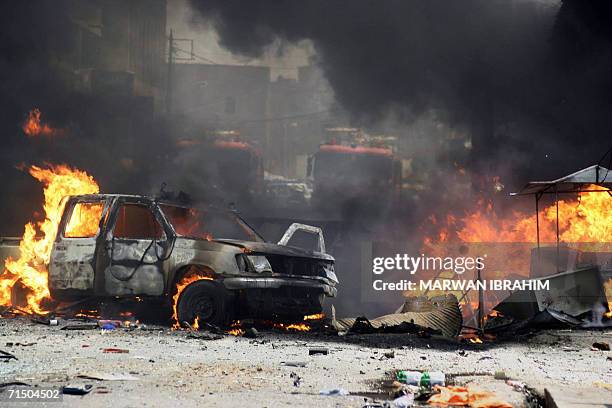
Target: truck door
72,263
136,251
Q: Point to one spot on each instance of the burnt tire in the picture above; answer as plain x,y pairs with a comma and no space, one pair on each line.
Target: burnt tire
209,301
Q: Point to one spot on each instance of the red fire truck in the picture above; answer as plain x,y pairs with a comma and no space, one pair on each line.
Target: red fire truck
355,171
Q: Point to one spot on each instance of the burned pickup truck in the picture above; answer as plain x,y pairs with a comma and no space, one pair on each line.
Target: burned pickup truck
124,246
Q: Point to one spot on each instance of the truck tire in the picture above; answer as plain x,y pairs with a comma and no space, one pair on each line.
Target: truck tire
208,300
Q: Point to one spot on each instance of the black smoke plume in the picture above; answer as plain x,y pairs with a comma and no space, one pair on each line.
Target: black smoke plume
38,40
531,79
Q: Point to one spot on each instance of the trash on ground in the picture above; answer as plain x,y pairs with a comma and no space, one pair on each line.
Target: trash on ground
115,350
600,345
422,379
107,376
418,315
205,336
405,401
250,333
318,350
77,389
294,363
5,355
80,326
463,396
332,392
296,379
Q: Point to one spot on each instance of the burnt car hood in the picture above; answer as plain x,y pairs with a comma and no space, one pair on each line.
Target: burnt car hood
274,249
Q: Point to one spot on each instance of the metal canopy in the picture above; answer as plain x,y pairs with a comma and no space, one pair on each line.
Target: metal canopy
573,183
577,182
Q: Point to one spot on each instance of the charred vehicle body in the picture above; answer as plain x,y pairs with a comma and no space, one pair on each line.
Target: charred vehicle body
133,246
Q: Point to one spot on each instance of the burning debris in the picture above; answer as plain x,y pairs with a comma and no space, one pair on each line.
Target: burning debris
33,126
587,218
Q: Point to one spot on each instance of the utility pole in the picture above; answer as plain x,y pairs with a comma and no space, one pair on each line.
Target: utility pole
173,50
169,79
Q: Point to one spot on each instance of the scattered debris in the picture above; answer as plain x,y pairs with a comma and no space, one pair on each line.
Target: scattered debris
422,379
405,401
45,321
11,344
80,326
602,384
600,345
6,356
13,383
107,376
318,350
77,389
296,379
205,336
250,333
333,392
418,315
115,350
294,363
462,396
517,385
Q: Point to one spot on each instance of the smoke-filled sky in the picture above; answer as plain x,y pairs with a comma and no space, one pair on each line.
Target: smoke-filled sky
531,79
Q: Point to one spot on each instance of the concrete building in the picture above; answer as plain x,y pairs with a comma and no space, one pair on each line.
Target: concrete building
221,97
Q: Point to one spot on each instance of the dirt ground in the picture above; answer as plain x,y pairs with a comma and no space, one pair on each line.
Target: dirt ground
177,368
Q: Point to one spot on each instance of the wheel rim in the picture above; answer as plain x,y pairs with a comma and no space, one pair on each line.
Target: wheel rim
202,307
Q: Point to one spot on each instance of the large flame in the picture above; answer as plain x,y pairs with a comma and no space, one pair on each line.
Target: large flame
585,222
33,126
585,219
35,247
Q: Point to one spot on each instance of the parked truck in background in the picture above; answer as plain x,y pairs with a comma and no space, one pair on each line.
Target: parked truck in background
226,166
355,172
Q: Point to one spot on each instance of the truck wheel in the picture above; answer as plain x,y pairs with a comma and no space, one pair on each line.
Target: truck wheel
206,299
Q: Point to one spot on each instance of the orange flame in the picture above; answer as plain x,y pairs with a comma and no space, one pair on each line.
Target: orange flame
608,290
292,326
185,281
236,329
35,252
585,219
196,323
317,316
34,127
236,332
84,220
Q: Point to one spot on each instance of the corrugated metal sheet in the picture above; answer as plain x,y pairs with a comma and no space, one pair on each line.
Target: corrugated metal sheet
441,313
